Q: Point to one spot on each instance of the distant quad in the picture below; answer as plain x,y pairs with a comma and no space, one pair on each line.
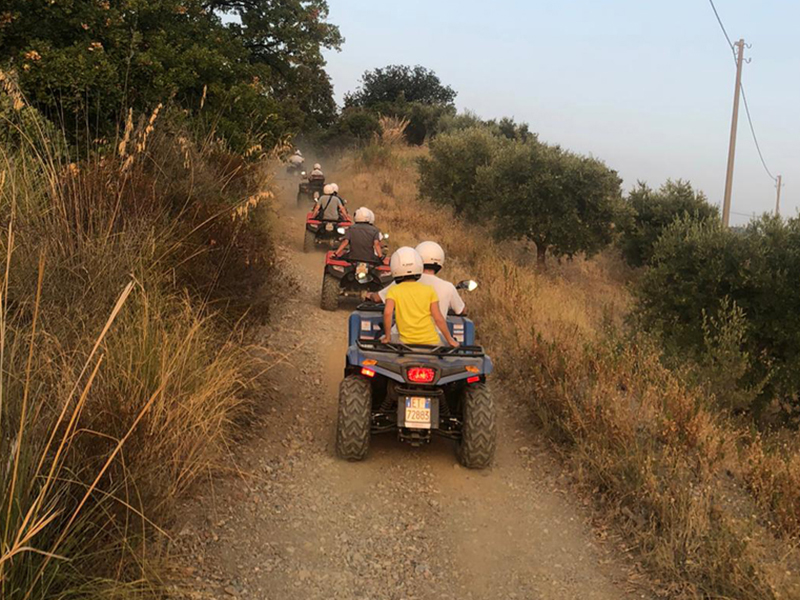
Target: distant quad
344,278
324,234
309,190
415,391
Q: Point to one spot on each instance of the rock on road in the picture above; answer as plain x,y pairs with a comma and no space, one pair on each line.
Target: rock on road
296,522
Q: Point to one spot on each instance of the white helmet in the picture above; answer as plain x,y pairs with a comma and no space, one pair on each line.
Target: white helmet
298,153
335,188
405,262
371,217
317,166
329,189
431,253
362,215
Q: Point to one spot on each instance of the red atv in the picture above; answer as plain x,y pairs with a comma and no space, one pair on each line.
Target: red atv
323,233
309,190
352,279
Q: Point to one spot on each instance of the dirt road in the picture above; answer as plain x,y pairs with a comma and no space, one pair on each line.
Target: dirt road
295,522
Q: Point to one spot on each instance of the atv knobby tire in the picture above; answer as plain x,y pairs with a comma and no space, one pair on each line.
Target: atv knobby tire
479,432
355,416
309,241
330,293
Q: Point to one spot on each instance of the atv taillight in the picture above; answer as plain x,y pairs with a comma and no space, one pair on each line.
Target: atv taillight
474,379
367,372
421,375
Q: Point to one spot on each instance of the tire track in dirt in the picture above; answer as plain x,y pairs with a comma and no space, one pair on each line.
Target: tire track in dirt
296,522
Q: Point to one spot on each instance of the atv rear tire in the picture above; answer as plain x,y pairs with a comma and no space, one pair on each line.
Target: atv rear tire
479,432
330,293
309,241
355,416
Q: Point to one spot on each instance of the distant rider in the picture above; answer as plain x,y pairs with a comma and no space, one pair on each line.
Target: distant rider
362,240
433,258
329,206
296,160
414,305
316,175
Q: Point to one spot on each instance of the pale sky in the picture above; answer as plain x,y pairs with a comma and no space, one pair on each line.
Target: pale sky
646,86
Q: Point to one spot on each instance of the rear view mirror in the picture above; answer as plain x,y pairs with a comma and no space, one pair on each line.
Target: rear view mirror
469,285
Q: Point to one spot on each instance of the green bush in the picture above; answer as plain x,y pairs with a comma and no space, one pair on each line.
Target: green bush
696,265
650,212
85,63
563,202
449,174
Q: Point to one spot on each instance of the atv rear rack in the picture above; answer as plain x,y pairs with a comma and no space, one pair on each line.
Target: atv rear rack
403,349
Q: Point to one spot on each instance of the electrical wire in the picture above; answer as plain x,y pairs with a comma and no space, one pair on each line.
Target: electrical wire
722,26
744,95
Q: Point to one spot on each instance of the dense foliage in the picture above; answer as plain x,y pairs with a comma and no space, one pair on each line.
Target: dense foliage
563,202
449,174
413,93
704,278
258,73
651,211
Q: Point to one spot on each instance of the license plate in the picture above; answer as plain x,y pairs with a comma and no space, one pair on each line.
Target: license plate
418,413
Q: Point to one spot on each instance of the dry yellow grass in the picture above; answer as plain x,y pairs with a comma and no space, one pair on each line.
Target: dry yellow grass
640,441
118,385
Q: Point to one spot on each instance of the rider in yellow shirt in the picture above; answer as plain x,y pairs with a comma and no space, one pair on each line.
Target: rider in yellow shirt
414,305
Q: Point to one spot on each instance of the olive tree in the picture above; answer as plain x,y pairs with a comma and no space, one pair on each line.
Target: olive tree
448,175
651,211
563,202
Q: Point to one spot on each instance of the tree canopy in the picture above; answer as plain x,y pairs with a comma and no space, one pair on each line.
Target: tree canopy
651,211
87,61
563,202
413,93
401,83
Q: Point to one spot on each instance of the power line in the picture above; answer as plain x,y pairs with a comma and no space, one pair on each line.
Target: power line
744,95
721,25
755,138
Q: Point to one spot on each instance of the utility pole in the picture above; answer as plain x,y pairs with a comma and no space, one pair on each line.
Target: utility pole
778,201
726,205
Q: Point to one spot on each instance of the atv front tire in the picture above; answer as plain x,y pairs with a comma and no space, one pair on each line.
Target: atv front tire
479,432
309,241
330,293
355,416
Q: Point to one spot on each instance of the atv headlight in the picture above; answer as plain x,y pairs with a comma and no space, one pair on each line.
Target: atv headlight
341,230
362,277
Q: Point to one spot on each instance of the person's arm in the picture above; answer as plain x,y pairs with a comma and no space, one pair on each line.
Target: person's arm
376,246
457,304
342,246
380,297
388,312
436,313
343,209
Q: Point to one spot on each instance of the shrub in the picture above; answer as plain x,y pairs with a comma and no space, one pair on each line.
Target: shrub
449,175
119,386
650,212
695,264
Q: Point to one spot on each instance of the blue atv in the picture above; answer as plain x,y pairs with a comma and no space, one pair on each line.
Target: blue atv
416,391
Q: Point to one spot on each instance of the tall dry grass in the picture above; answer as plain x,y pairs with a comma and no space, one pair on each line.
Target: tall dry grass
121,380
670,472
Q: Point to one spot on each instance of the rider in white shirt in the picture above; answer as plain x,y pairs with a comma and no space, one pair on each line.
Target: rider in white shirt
433,258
